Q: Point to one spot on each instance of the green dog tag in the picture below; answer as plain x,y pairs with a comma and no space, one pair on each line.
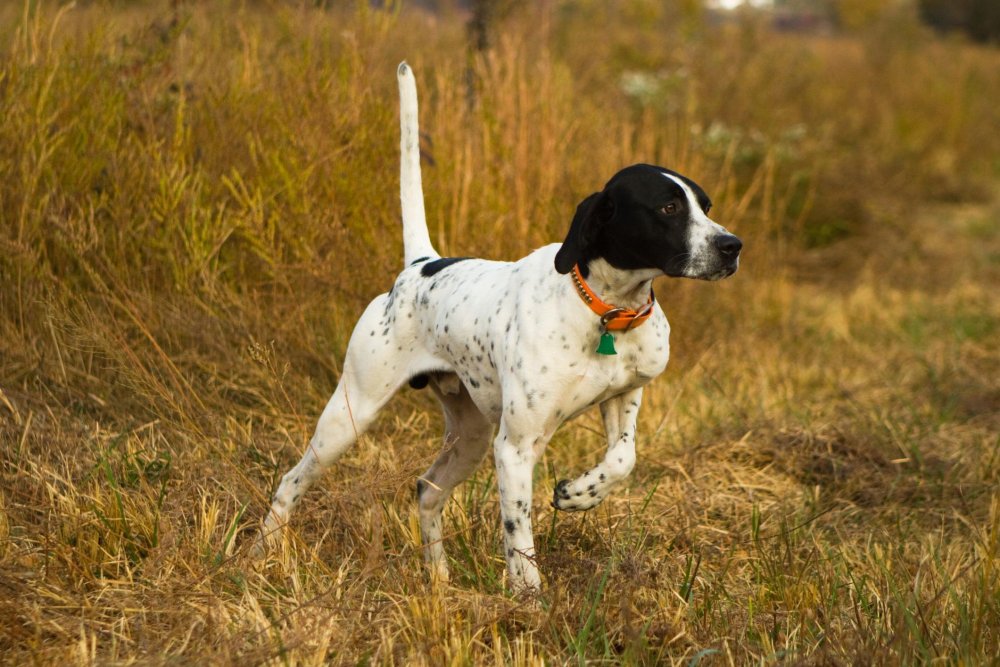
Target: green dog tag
607,344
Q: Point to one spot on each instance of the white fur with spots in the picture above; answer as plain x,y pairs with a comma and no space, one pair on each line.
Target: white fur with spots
509,349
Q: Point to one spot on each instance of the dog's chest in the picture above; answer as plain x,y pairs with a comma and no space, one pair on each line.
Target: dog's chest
522,342
525,363
592,377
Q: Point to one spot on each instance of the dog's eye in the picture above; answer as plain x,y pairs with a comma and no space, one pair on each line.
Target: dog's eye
669,209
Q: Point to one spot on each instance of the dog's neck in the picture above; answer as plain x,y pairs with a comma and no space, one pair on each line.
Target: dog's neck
624,288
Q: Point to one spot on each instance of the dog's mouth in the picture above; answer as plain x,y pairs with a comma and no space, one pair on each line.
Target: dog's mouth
726,271
718,275
717,271
729,269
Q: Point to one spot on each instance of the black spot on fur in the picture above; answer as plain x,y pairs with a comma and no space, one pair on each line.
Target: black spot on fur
421,486
418,260
509,526
431,268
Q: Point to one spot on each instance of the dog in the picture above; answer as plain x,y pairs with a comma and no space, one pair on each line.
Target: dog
514,349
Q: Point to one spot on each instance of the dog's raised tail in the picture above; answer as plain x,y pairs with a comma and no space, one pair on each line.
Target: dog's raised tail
416,238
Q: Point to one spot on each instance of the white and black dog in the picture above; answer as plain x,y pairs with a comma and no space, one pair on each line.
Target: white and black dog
520,347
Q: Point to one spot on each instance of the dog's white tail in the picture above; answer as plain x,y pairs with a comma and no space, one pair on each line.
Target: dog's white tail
416,238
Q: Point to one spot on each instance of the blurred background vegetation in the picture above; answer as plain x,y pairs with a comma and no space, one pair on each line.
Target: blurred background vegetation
198,199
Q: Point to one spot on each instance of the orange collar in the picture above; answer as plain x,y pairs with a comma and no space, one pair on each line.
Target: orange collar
613,318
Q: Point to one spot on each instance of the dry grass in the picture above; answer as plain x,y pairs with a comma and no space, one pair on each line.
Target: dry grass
195,206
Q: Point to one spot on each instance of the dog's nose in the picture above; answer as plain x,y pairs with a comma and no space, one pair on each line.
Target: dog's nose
728,244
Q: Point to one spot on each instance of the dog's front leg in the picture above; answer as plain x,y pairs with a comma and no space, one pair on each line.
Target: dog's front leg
589,489
515,457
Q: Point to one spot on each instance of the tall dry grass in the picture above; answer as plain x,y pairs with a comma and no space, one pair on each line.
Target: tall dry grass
197,201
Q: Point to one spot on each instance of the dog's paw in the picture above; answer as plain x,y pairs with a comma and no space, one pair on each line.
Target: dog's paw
560,494
563,499
529,600
259,548
439,573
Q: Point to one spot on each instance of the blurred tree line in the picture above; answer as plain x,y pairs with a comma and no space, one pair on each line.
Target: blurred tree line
980,19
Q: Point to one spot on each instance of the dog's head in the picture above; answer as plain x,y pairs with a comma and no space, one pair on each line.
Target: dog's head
648,217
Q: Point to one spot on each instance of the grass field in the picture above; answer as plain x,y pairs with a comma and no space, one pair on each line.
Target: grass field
197,202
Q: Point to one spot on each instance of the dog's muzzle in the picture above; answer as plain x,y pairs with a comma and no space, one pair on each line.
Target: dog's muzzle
729,247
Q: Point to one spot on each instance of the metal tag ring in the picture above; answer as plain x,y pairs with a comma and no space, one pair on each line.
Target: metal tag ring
610,315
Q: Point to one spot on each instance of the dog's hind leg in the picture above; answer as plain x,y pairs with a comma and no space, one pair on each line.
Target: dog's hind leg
365,386
467,436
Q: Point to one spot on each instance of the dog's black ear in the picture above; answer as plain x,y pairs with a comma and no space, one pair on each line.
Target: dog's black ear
592,212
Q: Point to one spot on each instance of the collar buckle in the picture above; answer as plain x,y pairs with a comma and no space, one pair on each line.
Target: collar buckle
610,315
613,318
